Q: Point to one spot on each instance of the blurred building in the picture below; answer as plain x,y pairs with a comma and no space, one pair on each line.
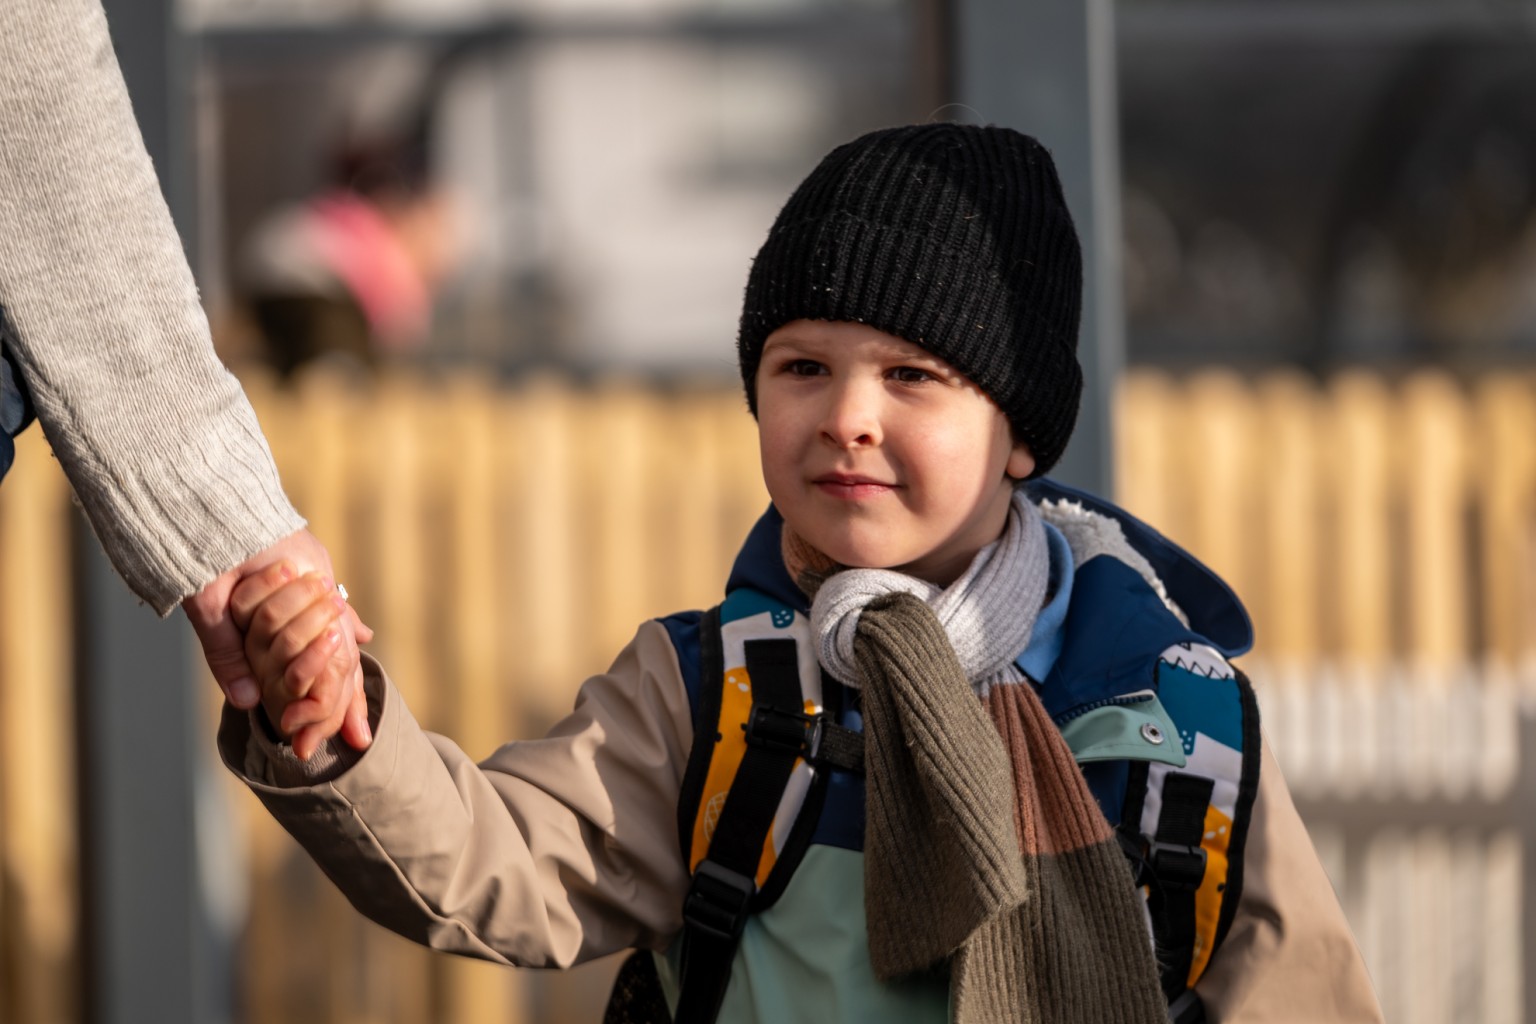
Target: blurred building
1329,184
1304,183
613,166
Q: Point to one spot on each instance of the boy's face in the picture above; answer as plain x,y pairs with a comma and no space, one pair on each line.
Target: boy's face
879,453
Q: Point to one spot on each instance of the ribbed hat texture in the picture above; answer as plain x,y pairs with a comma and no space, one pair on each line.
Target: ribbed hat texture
954,237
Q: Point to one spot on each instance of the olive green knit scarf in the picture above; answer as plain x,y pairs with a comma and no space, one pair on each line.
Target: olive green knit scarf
984,850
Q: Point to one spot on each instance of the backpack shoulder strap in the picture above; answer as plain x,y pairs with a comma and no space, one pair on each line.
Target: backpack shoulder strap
706,731
1188,826
755,781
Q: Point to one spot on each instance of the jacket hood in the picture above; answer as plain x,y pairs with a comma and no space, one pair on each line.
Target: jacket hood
1213,609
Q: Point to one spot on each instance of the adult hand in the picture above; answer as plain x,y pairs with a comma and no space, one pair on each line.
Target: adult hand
335,702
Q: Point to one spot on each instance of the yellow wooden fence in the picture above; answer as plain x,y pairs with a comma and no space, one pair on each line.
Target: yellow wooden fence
1363,522
505,543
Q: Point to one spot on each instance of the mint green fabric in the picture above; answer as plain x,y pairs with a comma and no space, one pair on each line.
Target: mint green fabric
1119,732
807,958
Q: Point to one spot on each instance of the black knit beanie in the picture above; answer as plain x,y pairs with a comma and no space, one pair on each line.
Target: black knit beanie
954,237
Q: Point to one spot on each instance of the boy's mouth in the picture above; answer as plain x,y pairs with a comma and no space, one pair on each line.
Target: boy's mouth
851,486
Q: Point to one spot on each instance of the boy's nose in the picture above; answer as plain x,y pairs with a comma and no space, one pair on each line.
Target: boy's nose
852,417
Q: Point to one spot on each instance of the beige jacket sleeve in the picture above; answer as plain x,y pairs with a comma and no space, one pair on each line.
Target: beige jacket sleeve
548,853
156,437
1290,955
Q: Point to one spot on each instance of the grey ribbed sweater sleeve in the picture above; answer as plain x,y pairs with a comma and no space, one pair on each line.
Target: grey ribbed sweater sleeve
156,437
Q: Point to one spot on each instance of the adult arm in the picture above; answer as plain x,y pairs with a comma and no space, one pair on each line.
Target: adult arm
548,853
1289,955
156,437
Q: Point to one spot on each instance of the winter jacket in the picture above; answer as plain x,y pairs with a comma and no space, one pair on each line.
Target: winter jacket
559,850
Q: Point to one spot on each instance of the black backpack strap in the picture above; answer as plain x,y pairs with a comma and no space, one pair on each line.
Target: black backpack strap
1178,863
1247,792
719,898
1172,864
826,746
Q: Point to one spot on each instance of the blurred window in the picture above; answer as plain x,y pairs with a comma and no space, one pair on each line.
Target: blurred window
1316,183
1305,182
612,164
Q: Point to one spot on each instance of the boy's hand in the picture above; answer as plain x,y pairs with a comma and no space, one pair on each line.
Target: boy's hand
293,627
223,641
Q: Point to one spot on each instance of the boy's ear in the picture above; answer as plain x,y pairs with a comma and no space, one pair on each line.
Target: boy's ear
1021,461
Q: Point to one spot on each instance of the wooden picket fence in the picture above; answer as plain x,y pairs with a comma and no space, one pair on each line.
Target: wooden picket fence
505,541
1365,523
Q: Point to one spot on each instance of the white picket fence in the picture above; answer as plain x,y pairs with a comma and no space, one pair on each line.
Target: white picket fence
1421,800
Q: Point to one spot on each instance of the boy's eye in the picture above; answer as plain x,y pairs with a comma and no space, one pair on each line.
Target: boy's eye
803,368
910,375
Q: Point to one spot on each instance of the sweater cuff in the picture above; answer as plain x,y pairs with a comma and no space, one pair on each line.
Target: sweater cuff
284,768
170,522
270,759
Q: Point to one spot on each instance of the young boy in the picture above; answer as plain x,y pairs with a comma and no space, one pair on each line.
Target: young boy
921,764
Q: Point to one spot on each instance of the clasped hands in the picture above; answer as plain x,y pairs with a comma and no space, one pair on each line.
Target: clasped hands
275,631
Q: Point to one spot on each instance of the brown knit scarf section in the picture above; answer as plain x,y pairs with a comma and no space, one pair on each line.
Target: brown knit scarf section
984,849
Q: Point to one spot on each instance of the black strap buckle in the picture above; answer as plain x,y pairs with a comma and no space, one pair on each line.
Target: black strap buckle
1179,868
790,732
717,901
817,739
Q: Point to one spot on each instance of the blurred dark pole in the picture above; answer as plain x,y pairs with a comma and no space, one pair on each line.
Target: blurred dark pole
151,952
1047,68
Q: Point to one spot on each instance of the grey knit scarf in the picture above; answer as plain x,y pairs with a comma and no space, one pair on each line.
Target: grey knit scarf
988,613
984,850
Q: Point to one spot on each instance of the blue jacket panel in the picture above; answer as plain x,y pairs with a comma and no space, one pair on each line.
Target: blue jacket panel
15,404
